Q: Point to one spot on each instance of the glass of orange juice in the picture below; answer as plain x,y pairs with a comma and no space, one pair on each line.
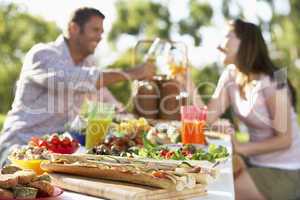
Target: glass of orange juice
177,62
193,124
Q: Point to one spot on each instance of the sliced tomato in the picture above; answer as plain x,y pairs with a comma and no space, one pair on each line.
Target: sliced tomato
50,147
190,155
35,141
163,152
169,155
158,174
186,152
42,143
139,140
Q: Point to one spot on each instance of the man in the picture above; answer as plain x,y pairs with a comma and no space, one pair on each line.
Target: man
56,78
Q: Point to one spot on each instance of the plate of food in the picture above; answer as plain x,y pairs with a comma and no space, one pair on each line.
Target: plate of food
16,183
57,143
29,157
150,150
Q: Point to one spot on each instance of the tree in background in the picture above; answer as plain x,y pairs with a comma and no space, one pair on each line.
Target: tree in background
285,30
148,19
19,31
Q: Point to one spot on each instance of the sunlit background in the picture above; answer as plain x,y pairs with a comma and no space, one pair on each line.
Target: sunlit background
59,12
200,24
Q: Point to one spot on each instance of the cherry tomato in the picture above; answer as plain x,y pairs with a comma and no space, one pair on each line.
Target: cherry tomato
55,140
59,149
66,141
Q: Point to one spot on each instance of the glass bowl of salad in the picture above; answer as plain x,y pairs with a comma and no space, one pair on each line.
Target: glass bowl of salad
29,157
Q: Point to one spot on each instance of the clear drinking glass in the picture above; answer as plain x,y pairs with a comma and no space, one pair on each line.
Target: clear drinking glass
193,124
99,120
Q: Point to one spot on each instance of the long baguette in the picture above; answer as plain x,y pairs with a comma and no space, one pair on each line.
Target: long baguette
112,174
165,165
203,176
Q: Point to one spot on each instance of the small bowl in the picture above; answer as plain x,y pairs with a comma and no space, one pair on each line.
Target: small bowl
79,137
28,164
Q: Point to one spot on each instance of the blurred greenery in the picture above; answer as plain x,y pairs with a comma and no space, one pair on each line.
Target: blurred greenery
19,31
145,19
2,118
148,19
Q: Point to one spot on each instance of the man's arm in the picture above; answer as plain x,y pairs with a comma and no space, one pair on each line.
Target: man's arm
46,68
144,71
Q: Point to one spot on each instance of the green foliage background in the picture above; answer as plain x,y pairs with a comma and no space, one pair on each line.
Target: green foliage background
19,31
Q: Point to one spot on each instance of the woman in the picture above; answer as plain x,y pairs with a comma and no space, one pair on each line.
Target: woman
261,98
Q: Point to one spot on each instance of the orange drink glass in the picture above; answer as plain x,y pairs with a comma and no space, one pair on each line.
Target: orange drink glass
177,69
193,124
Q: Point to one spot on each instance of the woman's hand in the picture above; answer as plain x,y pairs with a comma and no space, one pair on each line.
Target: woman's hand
238,147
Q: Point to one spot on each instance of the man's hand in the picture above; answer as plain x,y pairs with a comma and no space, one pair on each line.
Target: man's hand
144,71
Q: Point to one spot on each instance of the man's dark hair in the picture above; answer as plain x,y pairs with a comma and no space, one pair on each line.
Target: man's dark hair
82,15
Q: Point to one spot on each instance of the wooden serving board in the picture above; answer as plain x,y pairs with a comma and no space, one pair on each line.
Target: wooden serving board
121,190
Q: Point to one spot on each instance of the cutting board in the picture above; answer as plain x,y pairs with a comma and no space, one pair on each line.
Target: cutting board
121,190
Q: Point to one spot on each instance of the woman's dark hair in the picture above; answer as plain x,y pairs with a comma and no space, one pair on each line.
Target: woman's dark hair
253,55
82,15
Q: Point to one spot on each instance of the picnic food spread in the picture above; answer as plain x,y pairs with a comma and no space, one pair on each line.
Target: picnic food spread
136,151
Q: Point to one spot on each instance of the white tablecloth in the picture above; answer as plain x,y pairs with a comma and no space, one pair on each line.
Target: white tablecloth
221,189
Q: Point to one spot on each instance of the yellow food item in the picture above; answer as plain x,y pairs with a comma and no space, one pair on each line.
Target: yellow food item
28,164
133,126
